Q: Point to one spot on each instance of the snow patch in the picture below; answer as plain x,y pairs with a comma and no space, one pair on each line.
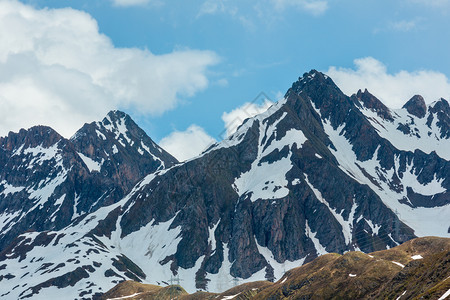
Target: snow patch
212,238
7,218
230,297
260,182
124,297
279,269
223,280
10,189
114,149
100,135
347,225
446,294
91,164
312,235
60,200
374,228
398,264
75,204
398,298
296,181
42,154
46,188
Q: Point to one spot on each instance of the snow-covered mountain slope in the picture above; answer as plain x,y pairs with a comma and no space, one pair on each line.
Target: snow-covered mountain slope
47,181
311,175
415,126
411,183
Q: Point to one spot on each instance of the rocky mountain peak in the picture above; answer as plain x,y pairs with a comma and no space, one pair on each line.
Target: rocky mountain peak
120,127
441,110
320,89
117,115
373,103
107,144
43,136
312,78
416,106
117,118
441,105
116,122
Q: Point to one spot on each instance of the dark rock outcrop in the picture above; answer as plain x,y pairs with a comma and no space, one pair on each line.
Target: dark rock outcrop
416,106
441,111
370,101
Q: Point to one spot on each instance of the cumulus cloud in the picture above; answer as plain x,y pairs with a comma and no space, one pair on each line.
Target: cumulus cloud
187,144
314,7
237,116
57,69
393,89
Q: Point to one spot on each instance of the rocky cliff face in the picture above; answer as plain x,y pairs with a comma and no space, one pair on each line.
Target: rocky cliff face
47,181
318,172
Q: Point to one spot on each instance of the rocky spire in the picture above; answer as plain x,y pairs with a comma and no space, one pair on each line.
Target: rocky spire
416,106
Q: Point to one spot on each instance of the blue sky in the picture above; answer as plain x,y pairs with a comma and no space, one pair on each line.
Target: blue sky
233,51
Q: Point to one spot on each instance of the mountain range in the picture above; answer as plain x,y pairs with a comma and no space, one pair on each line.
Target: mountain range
319,172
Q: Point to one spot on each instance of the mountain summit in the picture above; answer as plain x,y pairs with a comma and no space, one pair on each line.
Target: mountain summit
47,181
318,172
416,106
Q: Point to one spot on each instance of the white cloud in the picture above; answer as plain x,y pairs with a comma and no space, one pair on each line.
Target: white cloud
314,7
237,116
393,89
127,3
187,144
57,69
193,141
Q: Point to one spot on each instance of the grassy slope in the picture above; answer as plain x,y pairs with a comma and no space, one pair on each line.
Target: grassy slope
354,275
